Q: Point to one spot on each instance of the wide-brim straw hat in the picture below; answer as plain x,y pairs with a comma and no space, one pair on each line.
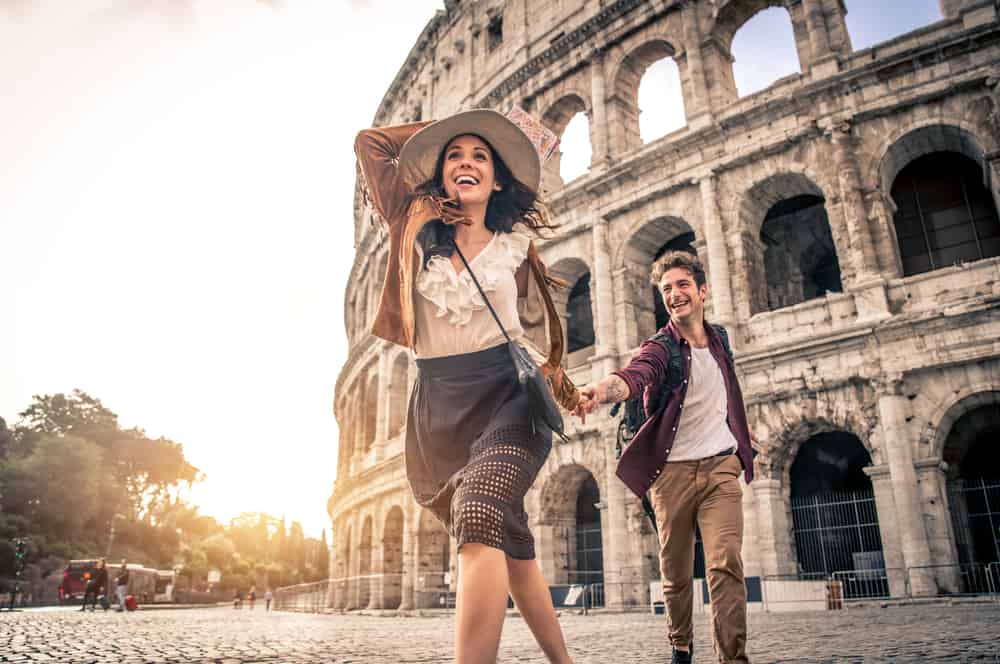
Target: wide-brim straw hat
419,156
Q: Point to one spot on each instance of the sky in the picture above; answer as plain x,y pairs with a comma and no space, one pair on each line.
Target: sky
176,187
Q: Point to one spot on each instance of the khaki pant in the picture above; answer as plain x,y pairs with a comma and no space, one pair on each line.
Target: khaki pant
707,493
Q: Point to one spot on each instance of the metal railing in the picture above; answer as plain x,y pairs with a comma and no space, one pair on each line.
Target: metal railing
304,597
957,579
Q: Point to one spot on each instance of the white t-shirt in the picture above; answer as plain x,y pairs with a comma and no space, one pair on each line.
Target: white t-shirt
702,431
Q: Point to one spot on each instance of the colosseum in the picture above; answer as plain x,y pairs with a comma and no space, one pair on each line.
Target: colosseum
847,216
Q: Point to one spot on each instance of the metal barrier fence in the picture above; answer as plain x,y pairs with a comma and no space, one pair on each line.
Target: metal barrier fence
788,592
959,579
304,597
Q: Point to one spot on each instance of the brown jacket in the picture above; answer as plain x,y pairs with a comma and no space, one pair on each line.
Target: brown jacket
405,213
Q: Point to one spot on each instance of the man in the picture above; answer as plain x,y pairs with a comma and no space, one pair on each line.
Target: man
688,455
121,584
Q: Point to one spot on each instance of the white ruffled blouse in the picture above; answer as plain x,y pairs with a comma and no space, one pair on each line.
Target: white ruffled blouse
451,317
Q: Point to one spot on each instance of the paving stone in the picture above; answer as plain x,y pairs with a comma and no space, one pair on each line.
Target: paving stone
964,633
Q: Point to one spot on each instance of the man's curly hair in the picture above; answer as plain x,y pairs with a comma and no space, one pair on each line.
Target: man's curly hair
681,259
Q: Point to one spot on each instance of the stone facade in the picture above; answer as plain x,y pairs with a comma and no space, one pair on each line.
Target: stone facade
832,332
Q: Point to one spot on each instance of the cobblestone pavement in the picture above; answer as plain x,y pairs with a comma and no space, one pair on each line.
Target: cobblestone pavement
962,633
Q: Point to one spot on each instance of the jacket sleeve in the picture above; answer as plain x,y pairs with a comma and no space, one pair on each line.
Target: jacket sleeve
647,368
378,150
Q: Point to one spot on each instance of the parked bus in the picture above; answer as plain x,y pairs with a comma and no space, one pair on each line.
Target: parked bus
142,581
165,581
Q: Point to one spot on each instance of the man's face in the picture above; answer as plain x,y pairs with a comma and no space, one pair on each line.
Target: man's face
683,298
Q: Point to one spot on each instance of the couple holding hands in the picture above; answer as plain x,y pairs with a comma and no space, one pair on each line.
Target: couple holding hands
460,201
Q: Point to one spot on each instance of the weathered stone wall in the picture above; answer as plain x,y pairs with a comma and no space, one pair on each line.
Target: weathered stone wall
892,360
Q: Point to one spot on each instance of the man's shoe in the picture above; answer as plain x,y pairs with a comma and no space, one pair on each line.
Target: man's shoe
681,657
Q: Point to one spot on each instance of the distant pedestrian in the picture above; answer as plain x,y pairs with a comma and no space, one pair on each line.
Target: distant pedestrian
268,596
97,585
238,599
121,585
252,596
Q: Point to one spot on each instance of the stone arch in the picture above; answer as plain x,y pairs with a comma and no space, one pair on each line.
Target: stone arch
575,304
835,522
909,151
556,117
392,558
946,414
433,562
625,80
918,139
733,15
398,393
781,197
644,243
557,521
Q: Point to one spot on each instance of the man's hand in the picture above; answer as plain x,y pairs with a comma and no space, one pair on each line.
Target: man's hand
610,390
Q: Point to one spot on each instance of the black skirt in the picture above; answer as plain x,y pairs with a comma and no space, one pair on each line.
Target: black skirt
472,452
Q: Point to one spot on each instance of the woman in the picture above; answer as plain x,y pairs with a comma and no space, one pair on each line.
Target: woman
96,586
472,452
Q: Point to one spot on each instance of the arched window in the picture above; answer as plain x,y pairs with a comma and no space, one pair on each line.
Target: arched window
872,22
579,316
834,520
945,215
800,259
589,543
764,51
575,149
567,118
661,100
973,457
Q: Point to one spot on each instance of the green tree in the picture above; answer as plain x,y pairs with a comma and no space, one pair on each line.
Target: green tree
323,560
6,439
55,486
78,414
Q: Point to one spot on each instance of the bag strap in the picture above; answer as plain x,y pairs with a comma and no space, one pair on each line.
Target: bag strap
481,291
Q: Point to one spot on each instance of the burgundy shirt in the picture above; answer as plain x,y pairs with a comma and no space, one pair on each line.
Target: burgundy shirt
642,461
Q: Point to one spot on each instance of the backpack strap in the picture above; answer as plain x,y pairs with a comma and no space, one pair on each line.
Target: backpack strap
724,337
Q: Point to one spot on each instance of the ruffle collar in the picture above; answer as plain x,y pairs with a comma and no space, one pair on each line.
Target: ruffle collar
454,294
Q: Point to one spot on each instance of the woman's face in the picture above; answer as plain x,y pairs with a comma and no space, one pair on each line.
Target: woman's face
467,170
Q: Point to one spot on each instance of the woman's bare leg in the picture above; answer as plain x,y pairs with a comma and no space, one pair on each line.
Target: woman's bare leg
531,594
480,604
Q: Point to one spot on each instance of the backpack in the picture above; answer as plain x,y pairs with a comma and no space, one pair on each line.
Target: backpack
639,408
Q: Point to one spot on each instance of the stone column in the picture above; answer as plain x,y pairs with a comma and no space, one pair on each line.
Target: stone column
862,257
376,580
696,107
774,529
331,570
932,483
893,411
819,39
599,139
888,527
619,541
751,549
625,318
604,301
406,587
718,254
383,402
868,287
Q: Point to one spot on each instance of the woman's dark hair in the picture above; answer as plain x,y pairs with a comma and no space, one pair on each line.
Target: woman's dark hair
514,203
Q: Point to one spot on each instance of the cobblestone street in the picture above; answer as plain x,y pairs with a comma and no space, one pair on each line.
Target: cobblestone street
964,633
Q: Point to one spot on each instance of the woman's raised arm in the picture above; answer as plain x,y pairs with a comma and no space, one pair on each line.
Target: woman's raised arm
378,150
